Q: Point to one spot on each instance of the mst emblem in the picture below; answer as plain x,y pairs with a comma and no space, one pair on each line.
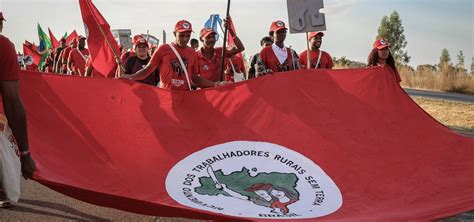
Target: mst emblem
253,179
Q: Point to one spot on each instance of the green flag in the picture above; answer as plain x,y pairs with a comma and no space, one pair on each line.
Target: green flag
44,46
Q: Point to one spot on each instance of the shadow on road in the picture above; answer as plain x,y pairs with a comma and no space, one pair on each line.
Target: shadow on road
77,215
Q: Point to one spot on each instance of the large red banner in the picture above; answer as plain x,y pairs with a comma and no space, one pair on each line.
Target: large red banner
332,145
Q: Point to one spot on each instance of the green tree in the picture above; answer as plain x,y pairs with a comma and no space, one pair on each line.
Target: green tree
391,29
460,60
472,66
444,59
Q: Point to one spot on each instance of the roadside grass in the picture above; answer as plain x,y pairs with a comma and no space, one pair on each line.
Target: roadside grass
446,80
453,114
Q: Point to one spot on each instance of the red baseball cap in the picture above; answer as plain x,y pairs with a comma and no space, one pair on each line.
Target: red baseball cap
206,31
313,34
277,25
380,44
138,39
62,39
1,17
183,26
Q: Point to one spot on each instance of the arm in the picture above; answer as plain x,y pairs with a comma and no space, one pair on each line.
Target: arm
238,46
204,83
142,73
17,120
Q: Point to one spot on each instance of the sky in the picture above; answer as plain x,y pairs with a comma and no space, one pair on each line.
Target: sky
430,25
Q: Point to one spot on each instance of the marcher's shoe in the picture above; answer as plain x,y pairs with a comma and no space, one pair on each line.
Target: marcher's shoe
4,203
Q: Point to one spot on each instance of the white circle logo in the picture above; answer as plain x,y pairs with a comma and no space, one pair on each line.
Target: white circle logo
255,180
280,23
186,25
382,42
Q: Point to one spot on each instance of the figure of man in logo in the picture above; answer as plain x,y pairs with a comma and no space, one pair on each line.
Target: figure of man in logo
284,198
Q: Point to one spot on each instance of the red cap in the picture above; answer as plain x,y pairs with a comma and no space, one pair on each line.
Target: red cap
313,34
1,17
183,26
138,39
380,44
62,39
277,25
205,32
80,37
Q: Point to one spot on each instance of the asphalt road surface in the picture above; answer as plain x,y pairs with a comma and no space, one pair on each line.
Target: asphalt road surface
441,95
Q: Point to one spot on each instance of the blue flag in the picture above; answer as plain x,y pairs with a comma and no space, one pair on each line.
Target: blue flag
212,22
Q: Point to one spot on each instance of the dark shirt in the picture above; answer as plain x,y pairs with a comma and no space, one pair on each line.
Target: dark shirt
134,64
253,61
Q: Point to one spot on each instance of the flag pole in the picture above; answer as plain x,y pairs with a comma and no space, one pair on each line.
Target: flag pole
308,57
117,58
225,41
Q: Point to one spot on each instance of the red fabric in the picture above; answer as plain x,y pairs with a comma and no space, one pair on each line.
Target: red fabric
390,159
29,50
239,66
71,37
31,45
324,63
9,68
172,75
54,41
210,68
270,60
79,62
103,58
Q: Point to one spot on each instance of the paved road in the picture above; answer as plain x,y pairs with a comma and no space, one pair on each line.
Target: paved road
441,95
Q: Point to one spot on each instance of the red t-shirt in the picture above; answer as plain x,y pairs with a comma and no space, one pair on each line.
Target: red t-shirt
79,60
172,76
239,66
9,68
270,60
65,54
210,68
324,63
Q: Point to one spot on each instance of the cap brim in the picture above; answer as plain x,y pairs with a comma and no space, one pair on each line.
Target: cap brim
209,33
382,46
279,28
184,30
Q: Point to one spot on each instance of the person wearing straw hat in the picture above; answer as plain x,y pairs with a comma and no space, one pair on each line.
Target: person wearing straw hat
177,63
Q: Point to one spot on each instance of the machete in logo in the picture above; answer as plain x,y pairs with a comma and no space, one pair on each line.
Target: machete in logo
255,180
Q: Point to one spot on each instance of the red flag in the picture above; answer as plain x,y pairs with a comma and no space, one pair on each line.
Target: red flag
31,45
230,40
71,37
100,40
356,149
28,50
54,41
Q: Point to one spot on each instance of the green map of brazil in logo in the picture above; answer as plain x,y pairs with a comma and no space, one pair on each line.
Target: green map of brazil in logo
255,180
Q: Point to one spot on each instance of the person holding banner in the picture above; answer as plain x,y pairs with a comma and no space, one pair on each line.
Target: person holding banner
177,63
264,42
78,58
139,60
277,57
15,114
209,58
318,59
381,56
